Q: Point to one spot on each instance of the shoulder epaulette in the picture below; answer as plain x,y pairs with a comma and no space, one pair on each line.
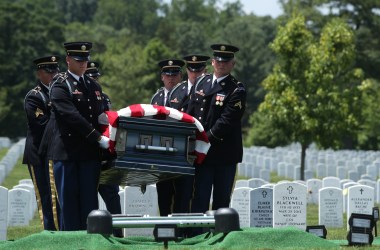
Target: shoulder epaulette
60,77
158,91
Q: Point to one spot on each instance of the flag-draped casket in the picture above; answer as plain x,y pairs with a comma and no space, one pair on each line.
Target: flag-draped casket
151,143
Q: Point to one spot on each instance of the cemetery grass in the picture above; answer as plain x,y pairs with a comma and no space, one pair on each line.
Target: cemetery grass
20,171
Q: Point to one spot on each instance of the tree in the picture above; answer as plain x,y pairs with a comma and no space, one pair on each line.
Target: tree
27,33
313,93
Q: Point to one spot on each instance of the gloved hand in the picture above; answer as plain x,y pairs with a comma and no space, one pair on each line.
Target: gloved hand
104,142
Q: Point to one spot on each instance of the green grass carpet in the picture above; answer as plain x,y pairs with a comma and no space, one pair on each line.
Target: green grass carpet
248,238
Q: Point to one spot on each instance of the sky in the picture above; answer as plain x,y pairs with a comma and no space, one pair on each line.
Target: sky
260,7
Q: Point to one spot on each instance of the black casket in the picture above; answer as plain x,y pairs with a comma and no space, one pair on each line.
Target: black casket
149,150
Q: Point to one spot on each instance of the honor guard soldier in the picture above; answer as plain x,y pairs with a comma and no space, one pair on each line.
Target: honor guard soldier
74,148
108,192
218,102
170,75
37,108
93,72
178,99
195,67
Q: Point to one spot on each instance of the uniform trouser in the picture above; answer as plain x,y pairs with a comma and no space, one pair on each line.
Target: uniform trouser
41,179
165,193
110,196
183,191
77,188
174,195
216,178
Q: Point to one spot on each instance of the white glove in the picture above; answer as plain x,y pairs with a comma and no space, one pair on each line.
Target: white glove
104,142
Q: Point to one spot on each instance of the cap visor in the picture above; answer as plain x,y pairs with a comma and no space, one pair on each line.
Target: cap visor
80,58
195,69
223,59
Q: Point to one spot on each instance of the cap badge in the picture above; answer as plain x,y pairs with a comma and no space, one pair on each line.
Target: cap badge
194,58
92,64
83,47
170,63
223,48
53,59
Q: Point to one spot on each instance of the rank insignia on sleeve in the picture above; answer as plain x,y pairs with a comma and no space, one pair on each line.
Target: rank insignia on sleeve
238,104
39,112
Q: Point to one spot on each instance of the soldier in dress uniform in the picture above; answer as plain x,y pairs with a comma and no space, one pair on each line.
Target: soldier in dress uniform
195,67
76,141
109,192
218,102
178,99
37,108
170,76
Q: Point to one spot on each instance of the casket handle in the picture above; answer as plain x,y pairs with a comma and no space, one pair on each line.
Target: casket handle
156,148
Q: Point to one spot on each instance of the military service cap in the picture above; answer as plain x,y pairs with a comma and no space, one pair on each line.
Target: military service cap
80,51
92,69
171,66
48,63
224,52
196,63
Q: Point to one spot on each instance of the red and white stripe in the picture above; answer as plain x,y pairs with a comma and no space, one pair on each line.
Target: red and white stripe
111,118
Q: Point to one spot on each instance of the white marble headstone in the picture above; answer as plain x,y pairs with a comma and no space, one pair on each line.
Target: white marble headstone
3,212
360,200
240,201
313,186
256,182
289,205
331,181
19,207
241,183
261,207
138,203
331,207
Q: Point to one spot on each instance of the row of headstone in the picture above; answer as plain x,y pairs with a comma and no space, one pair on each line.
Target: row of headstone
285,161
8,162
285,204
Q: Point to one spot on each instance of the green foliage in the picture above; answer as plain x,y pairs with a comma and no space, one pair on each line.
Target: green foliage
313,92
369,135
26,34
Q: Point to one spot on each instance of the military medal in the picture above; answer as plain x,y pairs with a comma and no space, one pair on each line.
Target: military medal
219,99
175,100
98,96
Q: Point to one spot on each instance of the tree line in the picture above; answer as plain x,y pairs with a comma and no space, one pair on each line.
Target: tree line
130,36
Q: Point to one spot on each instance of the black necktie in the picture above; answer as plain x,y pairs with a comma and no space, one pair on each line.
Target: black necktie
214,83
83,83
